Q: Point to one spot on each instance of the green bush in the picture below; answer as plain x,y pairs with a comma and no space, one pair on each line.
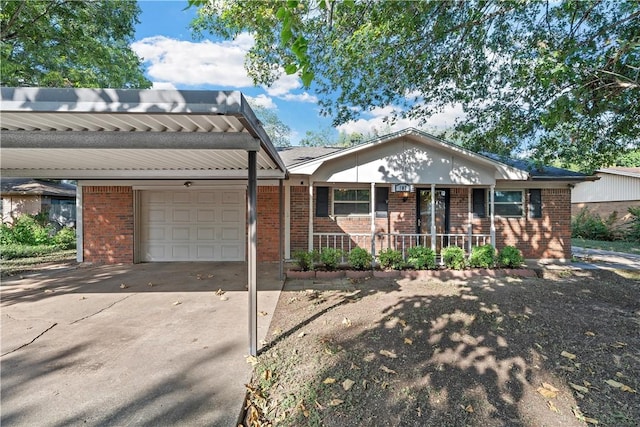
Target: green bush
359,259
482,256
331,257
421,258
6,235
305,259
65,238
589,225
391,259
17,250
633,233
27,230
453,257
510,257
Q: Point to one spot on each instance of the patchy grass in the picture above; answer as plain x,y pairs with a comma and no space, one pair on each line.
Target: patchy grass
616,246
559,350
14,266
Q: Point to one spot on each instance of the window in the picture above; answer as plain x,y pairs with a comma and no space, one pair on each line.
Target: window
351,201
509,203
322,201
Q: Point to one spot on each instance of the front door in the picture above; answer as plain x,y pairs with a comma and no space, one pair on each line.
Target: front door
441,214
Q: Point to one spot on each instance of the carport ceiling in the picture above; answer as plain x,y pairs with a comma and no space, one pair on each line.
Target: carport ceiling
108,133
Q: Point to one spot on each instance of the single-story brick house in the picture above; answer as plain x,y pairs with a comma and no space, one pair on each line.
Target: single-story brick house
33,196
163,176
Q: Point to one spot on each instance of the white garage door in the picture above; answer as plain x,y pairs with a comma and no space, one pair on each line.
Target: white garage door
192,225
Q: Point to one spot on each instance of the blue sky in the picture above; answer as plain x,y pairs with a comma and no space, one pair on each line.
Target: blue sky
174,59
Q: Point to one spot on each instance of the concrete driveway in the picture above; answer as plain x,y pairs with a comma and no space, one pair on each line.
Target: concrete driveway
143,345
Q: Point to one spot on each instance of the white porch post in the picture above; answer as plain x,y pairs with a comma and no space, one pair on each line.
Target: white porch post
252,192
470,218
310,215
433,217
281,227
79,225
287,222
373,219
493,216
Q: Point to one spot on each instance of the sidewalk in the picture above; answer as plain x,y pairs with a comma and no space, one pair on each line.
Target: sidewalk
593,259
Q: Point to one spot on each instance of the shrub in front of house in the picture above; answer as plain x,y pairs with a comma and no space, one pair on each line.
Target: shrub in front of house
359,259
421,258
482,256
305,259
589,225
65,238
330,257
391,259
510,257
633,234
453,257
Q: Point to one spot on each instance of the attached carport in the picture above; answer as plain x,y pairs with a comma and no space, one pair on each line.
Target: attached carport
161,139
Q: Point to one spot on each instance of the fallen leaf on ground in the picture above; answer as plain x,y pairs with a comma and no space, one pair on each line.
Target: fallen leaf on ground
252,360
469,409
329,380
387,370
403,323
579,388
83,298
177,303
552,407
220,292
149,284
388,353
122,286
335,402
346,322
590,334
408,341
301,334
619,344
347,384
267,374
568,355
262,313
548,391
621,386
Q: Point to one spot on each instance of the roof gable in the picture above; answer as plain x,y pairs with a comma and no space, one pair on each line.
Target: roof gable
409,156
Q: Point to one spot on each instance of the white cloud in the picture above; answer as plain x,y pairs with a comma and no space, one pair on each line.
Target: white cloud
285,85
163,85
302,97
262,100
188,63
374,120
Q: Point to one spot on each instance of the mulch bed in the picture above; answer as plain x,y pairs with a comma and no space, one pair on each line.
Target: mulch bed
562,349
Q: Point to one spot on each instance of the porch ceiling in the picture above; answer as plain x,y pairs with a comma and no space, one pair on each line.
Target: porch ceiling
106,133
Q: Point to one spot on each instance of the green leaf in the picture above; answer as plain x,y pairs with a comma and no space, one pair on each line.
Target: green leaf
290,68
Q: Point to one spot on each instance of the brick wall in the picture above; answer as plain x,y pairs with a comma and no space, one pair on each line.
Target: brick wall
546,237
268,211
108,224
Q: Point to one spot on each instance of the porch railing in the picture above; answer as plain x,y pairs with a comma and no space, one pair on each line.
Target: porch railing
399,241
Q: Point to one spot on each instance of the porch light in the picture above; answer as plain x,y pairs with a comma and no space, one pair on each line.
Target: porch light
405,196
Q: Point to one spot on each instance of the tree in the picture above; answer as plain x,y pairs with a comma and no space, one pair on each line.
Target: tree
60,43
318,138
278,131
557,79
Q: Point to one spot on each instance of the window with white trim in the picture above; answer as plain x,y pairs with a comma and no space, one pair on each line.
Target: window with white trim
509,203
351,201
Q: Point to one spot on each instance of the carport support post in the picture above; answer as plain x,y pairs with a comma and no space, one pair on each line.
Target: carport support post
281,228
252,191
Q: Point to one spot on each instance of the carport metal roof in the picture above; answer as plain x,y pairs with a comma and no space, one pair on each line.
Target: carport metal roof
110,133
132,134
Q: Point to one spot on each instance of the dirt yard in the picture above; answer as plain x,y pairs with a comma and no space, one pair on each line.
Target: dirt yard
562,350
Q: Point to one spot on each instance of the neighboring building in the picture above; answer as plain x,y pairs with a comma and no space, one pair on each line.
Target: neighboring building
616,190
32,196
162,176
